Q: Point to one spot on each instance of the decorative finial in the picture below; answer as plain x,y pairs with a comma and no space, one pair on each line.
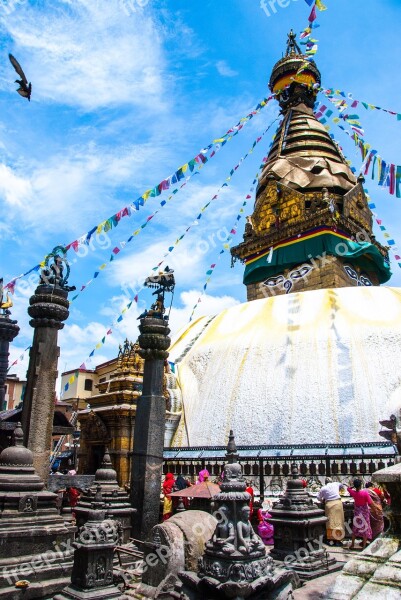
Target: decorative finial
106,463
18,436
294,471
53,273
232,454
292,46
164,282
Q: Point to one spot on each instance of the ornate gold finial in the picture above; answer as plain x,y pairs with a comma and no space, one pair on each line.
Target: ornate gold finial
292,46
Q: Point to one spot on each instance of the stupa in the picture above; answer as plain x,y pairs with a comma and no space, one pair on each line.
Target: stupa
118,503
311,357
35,541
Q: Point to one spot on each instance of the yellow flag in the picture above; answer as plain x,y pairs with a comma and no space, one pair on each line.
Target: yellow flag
320,5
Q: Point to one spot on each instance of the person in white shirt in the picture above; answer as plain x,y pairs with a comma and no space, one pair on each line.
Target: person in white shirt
330,495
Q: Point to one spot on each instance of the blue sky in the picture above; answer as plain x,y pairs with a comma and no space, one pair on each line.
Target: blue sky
125,92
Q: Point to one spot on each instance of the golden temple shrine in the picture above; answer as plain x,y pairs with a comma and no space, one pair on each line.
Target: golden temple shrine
311,227
106,415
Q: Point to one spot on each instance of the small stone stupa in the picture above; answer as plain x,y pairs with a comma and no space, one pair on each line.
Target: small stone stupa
35,541
117,499
92,573
235,564
299,529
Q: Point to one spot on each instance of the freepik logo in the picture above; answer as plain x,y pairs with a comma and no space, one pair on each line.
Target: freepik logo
269,7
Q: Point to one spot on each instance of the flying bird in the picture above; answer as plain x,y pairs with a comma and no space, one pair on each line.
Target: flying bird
25,88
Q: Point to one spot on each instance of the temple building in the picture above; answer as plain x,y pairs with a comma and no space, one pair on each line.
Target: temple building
314,355
106,398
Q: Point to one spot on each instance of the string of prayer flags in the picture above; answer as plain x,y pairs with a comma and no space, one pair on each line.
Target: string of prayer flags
99,344
310,43
387,175
19,359
173,246
232,233
124,244
215,197
127,211
389,238
367,105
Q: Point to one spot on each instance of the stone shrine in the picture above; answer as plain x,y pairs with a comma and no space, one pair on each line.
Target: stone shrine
92,573
35,541
299,530
235,564
110,418
117,499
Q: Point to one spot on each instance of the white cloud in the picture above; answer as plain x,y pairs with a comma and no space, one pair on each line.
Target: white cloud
89,53
14,189
224,69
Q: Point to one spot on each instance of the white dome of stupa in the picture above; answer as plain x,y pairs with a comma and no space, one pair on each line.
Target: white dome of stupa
320,366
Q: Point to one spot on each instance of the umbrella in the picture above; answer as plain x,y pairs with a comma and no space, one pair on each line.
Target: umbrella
206,489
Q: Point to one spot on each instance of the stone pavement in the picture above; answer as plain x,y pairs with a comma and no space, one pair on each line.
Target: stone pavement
317,588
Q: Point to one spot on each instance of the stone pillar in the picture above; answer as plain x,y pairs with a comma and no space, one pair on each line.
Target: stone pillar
147,460
48,309
8,331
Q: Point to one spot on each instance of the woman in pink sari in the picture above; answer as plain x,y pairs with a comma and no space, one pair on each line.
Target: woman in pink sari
376,511
203,476
361,523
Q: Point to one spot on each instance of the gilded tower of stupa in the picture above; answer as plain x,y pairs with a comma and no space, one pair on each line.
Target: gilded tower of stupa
311,227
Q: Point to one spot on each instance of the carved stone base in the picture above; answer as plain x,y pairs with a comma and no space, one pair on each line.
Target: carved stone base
317,564
276,586
235,568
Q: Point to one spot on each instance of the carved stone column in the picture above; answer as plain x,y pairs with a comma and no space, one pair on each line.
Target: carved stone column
8,331
48,309
147,460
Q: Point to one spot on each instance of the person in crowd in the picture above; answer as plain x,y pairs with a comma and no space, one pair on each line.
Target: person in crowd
329,494
375,510
203,476
361,523
168,486
73,496
181,484
264,529
250,491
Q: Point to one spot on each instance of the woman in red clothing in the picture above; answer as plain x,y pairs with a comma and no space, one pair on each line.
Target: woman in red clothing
168,486
361,523
250,491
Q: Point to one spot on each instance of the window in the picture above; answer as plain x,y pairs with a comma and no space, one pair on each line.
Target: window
88,385
102,379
